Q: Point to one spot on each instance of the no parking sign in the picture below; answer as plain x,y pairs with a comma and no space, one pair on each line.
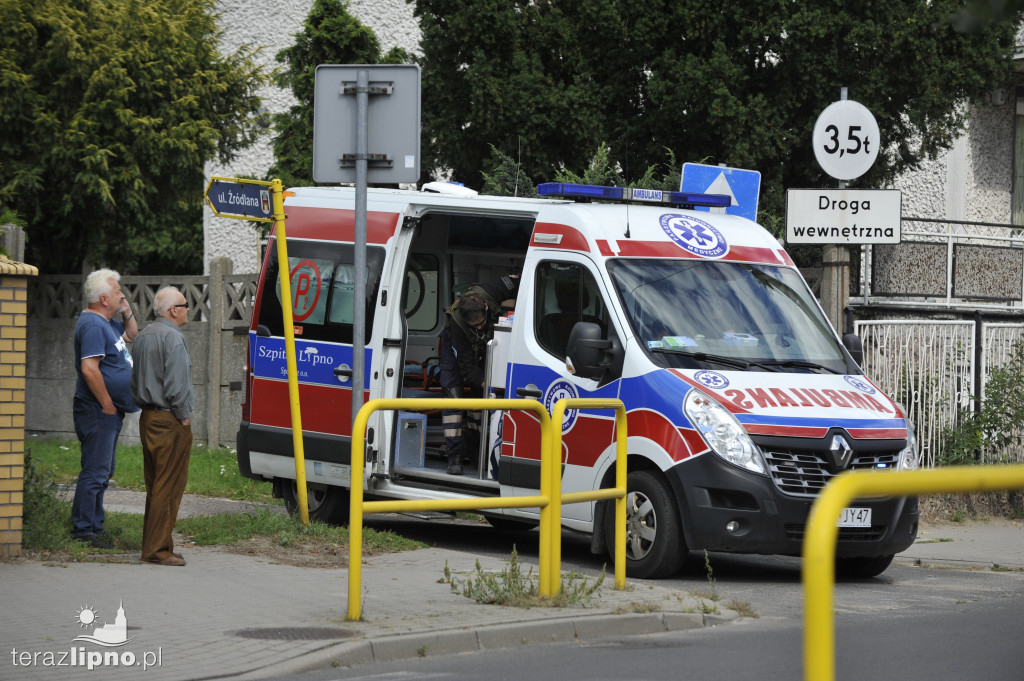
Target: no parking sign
306,283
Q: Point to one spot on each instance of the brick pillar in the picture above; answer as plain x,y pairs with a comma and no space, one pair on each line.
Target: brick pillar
13,318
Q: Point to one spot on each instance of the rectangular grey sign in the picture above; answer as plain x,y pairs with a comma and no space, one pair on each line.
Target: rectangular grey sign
393,123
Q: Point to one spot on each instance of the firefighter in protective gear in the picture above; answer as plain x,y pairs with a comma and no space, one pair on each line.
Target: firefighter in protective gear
469,325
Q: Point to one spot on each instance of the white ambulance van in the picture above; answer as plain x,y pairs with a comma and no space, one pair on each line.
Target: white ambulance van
742,400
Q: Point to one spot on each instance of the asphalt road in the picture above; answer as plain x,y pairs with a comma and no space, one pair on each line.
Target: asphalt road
909,624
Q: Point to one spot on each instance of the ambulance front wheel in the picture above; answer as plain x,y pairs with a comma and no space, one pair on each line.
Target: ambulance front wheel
862,568
326,503
655,547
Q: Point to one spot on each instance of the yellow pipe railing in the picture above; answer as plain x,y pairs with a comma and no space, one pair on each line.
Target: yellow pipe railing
822,531
358,506
554,571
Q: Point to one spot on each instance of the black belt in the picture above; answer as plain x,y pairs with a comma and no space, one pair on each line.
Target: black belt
155,407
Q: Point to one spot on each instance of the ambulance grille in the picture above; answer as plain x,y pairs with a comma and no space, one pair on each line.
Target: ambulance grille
805,472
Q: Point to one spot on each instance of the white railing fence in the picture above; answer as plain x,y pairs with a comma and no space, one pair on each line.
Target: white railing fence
931,368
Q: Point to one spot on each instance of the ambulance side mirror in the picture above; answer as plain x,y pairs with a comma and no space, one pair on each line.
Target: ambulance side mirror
855,347
588,352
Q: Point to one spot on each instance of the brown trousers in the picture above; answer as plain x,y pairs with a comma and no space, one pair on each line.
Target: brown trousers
166,448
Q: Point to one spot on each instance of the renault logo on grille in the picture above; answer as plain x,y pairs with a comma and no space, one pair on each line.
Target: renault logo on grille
841,453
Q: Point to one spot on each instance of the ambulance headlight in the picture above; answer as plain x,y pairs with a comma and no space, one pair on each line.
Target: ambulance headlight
908,460
723,433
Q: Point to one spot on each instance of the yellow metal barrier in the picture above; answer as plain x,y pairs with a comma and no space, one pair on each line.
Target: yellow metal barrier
554,571
358,506
822,531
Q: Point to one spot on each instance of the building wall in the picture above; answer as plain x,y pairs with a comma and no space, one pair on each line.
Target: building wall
272,24
971,181
13,318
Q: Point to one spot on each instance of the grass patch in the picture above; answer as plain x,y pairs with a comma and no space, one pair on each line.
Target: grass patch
47,526
515,588
47,519
286,531
211,472
941,540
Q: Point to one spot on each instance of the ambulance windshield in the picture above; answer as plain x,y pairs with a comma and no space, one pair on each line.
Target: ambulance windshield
725,315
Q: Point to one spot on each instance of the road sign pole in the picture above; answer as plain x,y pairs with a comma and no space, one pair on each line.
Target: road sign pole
261,201
359,261
277,193
835,268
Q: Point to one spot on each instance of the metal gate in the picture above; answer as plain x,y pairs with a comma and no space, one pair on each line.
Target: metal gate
934,369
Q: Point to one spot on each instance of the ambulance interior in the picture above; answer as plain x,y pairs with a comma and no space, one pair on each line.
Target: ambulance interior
449,253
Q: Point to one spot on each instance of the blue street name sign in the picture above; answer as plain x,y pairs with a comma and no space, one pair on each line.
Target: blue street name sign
744,186
241,199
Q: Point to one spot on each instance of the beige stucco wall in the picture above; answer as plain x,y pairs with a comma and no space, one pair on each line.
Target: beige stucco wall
272,24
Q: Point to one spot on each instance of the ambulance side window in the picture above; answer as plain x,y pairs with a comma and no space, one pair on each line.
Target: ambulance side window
322,282
566,293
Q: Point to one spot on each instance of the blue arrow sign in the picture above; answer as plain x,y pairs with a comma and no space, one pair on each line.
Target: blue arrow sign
242,199
744,186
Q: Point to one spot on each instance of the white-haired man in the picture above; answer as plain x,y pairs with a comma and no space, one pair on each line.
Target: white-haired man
102,397
162,386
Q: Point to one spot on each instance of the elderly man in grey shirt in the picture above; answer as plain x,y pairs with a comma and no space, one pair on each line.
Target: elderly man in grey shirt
162,387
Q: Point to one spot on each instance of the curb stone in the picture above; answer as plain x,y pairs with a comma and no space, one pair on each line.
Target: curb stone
490,637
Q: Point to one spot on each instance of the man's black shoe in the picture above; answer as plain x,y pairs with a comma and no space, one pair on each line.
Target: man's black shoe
95,541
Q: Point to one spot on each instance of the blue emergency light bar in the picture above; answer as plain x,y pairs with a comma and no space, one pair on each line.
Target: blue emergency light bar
591,191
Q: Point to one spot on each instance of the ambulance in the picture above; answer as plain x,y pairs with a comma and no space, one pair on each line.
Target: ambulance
742,401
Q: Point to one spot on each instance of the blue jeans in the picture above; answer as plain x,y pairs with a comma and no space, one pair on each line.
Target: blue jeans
98,434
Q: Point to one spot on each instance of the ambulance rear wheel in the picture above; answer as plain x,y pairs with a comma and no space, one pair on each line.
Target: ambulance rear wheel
326,503
654,539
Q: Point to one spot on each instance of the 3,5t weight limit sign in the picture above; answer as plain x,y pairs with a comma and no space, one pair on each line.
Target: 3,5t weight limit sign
846,139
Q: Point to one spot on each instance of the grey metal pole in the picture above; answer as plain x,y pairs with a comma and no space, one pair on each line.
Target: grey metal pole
359,293
835,285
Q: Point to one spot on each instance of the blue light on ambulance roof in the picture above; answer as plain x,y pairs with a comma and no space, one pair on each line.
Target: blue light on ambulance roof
590,191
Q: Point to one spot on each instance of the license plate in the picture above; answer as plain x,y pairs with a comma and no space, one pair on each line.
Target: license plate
855,517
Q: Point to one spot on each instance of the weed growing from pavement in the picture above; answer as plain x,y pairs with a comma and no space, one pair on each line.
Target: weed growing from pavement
641,607
712,593
515,588
743,608
211,472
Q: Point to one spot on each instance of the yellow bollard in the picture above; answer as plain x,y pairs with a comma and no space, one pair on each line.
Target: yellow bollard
818,567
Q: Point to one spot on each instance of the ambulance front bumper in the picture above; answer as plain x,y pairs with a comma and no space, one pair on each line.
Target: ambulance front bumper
724,508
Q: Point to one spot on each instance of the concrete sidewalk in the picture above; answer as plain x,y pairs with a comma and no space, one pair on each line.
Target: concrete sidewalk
227,615
977,545
232,615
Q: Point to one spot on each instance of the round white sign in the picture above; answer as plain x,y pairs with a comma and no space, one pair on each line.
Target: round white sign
846,139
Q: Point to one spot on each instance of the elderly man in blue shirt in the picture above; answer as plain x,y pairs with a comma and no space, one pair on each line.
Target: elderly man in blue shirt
162,387
102,397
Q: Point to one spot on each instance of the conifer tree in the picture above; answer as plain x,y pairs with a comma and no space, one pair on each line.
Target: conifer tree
330,35
108,111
